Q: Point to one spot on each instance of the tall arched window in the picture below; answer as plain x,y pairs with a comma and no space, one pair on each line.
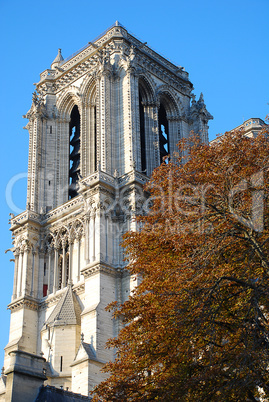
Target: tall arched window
142,134
74,152
163,133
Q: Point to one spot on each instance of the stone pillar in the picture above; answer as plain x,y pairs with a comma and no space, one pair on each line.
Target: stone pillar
35,126
133,111
92,237
33,273
62,171
104,115
173,134
26,274
49,270
25,374
63,284
78,264
87,239
55,276
151,137
70,278
20,272
15,283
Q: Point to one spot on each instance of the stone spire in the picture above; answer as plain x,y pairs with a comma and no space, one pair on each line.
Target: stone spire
67,311
58,59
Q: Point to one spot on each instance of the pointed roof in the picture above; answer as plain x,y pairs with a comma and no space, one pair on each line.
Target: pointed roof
85,352
89,350
58,59
67,310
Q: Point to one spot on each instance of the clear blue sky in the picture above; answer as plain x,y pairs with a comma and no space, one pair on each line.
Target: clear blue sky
222,44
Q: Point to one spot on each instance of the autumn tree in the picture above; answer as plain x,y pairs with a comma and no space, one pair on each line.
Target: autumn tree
196,328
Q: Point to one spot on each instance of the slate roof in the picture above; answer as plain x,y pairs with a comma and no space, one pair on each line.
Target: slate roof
51,394
89,350
67,311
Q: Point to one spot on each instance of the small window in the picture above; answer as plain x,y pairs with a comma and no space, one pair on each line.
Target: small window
61,363
45,290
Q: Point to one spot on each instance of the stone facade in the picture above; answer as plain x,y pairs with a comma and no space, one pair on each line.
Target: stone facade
99,123
251,127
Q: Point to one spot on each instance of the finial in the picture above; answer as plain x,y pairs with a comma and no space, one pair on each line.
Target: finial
201,99
82,337
117,23
58,59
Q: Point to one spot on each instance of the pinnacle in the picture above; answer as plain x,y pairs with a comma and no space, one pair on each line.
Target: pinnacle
58,59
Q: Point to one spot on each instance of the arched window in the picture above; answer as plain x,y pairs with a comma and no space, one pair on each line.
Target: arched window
163,133
142,134
74,152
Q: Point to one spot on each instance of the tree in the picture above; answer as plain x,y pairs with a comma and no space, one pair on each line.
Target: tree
196,328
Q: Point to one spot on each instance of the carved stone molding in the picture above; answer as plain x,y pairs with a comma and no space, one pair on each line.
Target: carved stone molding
99,267
24,302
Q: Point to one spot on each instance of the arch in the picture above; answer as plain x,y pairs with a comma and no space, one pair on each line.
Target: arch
168,118
165,96
146,89
67,101
49,241
76,230
88,90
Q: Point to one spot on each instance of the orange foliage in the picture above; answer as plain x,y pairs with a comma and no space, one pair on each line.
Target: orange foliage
196,327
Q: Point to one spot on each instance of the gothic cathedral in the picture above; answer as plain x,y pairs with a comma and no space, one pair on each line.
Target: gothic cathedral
100,122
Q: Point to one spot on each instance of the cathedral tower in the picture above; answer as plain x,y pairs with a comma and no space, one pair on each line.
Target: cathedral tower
100,122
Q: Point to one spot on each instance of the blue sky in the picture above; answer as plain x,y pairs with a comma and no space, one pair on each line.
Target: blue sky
222,44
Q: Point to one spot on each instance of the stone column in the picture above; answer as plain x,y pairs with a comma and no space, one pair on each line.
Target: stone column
70,276
25,270
151,137
173,134
20,268
55,276
87,239
78,264
16,267
33,273
63,284
92,237
104,115
49,270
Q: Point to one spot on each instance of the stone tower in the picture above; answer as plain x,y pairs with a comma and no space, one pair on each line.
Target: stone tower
100,122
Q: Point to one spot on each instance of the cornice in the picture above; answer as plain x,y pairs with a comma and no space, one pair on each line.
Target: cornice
92,269
26,301
115,40
26,220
